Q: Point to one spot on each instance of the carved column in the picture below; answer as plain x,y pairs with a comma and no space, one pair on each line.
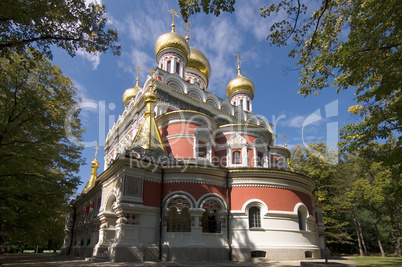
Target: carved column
106,232
196,227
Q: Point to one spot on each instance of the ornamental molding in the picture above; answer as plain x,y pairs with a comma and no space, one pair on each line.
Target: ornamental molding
208,181
271,183
177,195
175,136
187,102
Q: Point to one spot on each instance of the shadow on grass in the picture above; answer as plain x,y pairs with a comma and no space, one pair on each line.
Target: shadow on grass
378,261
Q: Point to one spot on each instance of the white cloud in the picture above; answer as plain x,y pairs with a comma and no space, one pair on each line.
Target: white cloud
219,41
93,58
136,57
82,92
88,105
87,2
295,122
248,16
146,26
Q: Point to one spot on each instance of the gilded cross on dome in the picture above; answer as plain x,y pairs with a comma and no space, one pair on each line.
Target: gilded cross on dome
238,64
174,13
187,31
152,71
138,68
96,150
286,145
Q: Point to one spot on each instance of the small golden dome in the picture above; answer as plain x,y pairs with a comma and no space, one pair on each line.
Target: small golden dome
199,61
130,93
171,39
150,97
240,84
94,164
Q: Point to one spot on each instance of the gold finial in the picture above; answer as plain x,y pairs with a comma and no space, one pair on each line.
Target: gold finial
152,71
173,19
286,145
96,151
238,64
138,68
187,30
94,173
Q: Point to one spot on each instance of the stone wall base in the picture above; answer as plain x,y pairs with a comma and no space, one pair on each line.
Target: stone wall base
275,254
133,253
195,253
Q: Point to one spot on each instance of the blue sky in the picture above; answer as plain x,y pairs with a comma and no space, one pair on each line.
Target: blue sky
101,80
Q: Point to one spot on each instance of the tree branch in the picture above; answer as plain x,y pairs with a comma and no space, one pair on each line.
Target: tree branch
296,20
316,28
378,48
41,38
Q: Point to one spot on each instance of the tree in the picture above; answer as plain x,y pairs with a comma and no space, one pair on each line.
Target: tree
318,162
359,195
346,44
38,158
68,24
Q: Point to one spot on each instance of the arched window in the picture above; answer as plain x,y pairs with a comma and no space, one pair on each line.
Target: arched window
260,159
209,223
236,157
241,103
195,95
178,221
254,217
238,116
201,149
301,215
225,109
168,66
177,67
212,103
175,86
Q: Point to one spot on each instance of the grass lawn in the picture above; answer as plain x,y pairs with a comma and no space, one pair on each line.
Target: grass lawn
377,261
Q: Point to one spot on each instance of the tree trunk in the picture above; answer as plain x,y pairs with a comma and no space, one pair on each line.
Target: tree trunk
377,233
378,239
1,244
396,233
361,235
359,241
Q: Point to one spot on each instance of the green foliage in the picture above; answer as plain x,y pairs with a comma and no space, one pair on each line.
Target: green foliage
319,163
354,185
344,44
190,7
349,44
37,157
70,25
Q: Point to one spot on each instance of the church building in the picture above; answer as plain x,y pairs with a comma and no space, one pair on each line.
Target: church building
189,176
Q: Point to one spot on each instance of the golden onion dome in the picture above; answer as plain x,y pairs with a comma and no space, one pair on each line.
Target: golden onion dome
95,164
130,93
150,97
199,61
171,40
240,84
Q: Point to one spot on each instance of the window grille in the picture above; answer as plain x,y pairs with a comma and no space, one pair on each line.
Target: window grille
236,157
254,217
258,254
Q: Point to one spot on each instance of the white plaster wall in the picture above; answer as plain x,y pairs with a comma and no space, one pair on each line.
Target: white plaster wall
275,231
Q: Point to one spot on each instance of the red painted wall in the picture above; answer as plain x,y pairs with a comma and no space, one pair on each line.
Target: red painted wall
196,190
274,198
151,194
